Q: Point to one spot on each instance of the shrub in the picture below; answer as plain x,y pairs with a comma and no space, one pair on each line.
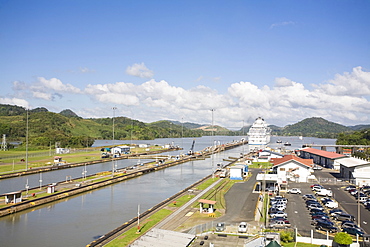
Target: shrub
343,238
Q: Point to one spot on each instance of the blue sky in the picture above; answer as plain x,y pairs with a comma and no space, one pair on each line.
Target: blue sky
153,60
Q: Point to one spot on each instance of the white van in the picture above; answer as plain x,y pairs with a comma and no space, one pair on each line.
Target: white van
243,227
324,192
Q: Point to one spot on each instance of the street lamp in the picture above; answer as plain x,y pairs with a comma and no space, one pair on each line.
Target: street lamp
114,109
27,141
212,110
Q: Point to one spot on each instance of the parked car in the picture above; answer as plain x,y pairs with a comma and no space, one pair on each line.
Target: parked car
294,191
278,218
343,217
317,167
220,227
324,192
320,217
317,187
335,211
279,214
331,204
326,227
308,197
321,221
279,224
353,231
242,227
346,224
279,207
365,188
318,207
350,187
317,213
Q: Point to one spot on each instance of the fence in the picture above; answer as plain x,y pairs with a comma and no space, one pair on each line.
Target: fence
332,181
202,228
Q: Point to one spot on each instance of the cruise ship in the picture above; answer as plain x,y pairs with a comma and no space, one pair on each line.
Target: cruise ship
259,135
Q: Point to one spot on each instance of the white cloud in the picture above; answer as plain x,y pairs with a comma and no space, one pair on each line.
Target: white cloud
344,99
55,85
85,70
284,23
42,95
139,70
355,83
15,101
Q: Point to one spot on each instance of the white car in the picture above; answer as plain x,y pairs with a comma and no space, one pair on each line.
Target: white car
279,214
331,204
242,227
295,191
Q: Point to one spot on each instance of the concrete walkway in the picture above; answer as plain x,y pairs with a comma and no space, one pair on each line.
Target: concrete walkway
186,205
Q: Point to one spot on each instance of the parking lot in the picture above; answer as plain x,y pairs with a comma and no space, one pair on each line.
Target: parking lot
300,218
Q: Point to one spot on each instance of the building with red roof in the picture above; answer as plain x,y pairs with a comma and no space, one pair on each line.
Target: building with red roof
292,168
320,157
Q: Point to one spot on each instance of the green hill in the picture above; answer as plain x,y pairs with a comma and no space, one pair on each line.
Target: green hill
67,128
315,127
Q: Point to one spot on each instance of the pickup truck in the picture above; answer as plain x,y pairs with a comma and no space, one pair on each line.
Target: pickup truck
279,224
324,192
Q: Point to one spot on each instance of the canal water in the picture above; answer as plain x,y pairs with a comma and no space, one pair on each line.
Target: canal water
33,180
81,219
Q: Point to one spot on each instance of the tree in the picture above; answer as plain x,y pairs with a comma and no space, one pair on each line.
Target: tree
343,239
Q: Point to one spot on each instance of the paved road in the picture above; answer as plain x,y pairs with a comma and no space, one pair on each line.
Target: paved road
241,201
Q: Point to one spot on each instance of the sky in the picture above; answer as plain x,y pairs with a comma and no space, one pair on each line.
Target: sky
179,60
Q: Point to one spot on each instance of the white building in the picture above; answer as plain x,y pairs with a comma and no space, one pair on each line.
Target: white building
237,172
355,169
268,155
292,168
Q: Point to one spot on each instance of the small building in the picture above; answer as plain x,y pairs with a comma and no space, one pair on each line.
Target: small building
237,172
356,170
120,150
51,188
13,197
292,168
58,161
320,157
210,209
142,145
269,182
268,155
62,150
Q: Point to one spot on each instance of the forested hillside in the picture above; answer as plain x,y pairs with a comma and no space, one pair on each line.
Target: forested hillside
67,128
315,127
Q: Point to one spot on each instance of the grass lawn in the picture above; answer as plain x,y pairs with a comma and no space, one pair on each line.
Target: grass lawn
264,165
46,158
299,245
128,237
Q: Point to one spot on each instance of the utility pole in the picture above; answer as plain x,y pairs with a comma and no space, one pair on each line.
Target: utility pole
114,109
27,141
212,148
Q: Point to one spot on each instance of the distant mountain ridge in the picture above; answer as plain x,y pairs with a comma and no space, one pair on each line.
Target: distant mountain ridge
47,127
